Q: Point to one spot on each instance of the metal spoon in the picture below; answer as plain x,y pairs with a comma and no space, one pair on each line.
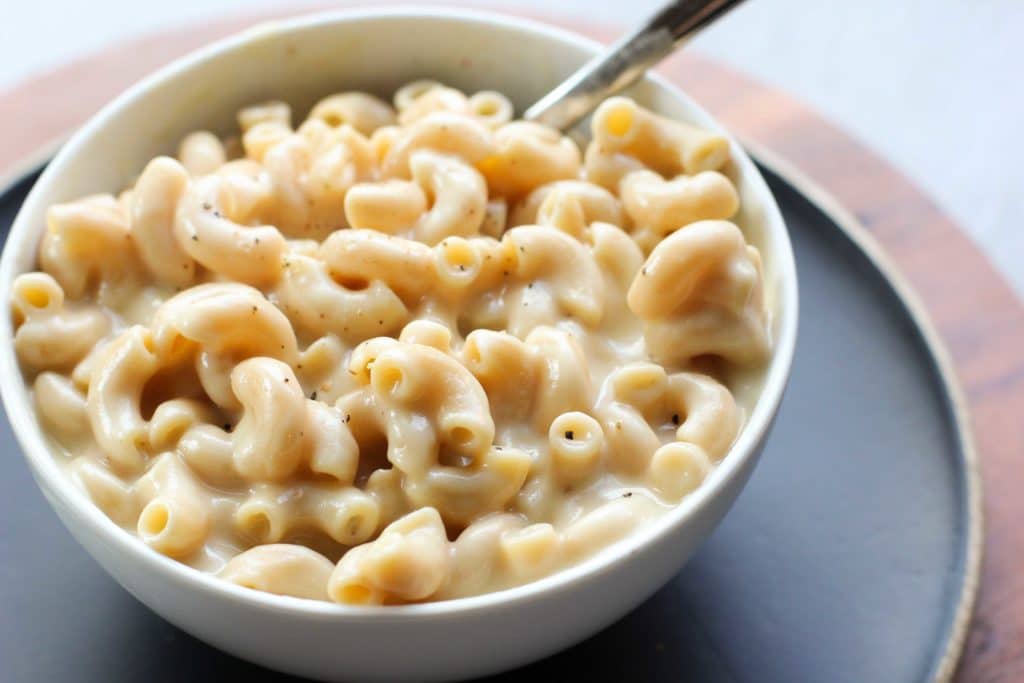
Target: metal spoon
625,61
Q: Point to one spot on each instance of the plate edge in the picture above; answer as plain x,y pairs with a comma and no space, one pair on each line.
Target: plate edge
30,163
862,239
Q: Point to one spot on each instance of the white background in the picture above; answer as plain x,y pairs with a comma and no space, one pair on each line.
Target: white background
934,85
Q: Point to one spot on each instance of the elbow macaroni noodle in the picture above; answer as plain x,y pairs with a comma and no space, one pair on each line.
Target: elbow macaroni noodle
398,353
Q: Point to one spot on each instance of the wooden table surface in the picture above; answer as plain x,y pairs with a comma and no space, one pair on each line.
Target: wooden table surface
974,310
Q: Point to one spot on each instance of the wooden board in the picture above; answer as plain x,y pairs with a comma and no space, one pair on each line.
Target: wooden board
974,310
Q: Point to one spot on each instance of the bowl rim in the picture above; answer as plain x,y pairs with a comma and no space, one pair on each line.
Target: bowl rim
62,493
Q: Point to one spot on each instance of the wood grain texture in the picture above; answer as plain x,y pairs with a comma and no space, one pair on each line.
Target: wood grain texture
977,314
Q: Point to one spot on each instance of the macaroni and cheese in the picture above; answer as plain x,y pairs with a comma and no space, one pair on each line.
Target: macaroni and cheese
398,353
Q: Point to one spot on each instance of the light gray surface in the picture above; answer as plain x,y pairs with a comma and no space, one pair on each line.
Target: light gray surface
933,85
842,560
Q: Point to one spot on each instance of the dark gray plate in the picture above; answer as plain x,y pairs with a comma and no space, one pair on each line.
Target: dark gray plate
851,555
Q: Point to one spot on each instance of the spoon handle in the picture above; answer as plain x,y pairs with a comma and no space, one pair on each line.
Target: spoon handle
625,61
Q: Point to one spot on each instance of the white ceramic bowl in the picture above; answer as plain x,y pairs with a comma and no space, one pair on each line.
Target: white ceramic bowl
377,50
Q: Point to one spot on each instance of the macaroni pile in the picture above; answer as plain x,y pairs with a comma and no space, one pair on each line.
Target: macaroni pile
397,354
